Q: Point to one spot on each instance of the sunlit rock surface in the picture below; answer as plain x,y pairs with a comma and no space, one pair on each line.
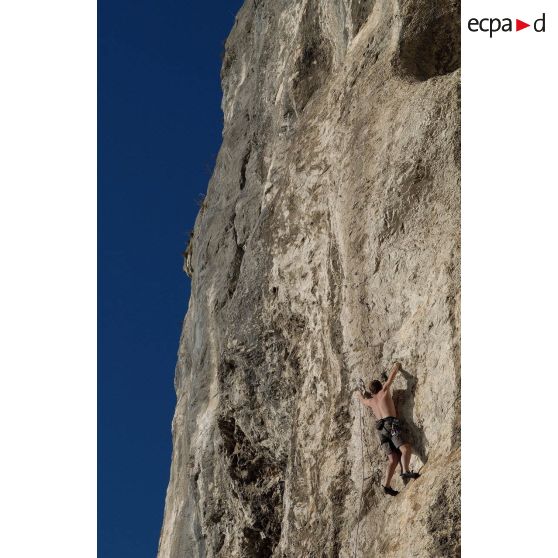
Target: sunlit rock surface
327,246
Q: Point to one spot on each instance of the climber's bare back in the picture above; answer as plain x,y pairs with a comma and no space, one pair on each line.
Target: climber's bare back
382,404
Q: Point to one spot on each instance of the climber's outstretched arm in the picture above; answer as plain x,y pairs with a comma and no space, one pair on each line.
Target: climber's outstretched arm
363,400
392,374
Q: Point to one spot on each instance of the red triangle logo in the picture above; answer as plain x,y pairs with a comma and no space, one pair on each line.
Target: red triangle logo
519,25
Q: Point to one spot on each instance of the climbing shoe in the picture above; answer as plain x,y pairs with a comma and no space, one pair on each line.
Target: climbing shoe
390,491
410,475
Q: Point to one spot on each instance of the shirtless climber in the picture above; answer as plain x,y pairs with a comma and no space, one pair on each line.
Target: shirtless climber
389,429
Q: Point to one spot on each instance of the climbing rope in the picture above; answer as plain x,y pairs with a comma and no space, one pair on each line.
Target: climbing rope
363,433
362,481
367,446
363,444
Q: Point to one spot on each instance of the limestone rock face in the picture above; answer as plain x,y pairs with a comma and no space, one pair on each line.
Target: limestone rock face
326,248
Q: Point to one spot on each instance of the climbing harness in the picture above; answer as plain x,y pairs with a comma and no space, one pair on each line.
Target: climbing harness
391,425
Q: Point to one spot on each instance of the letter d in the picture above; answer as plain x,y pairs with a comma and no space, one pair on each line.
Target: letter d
542,21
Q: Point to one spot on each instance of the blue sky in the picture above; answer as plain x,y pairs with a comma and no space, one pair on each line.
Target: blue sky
159,132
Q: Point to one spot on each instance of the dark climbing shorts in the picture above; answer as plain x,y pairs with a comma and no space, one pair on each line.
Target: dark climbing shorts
391,437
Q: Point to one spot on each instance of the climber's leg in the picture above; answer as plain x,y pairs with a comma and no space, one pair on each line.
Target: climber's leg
405,450
393,460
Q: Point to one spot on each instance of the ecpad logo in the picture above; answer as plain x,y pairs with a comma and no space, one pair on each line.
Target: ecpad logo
493,25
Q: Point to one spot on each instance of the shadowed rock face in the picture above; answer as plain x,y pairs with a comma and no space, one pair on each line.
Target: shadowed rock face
327,246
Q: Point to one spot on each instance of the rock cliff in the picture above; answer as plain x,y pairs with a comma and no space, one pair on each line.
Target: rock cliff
327,247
